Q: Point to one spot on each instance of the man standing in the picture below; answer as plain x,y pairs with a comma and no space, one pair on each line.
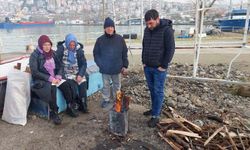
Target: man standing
110,55
157,52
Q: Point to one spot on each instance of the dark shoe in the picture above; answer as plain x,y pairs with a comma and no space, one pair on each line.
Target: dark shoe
55,117
72,110
147,113
83,107
153,122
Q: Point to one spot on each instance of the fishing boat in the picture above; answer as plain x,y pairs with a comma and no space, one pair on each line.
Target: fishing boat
234,21
8,24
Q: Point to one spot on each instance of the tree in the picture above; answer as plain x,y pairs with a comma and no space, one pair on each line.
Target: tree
208,4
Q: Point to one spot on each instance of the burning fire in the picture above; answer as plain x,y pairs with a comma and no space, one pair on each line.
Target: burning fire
122,102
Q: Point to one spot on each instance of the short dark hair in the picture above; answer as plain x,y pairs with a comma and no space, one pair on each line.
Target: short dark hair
151,14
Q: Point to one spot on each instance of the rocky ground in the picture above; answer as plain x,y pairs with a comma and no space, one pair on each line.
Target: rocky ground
196,100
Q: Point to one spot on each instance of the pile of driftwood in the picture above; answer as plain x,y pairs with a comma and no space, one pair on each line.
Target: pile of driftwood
180,134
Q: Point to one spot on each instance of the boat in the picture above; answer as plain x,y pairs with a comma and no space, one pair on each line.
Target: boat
234,21
25,24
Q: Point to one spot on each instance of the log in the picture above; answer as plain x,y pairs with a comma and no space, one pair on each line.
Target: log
190,134
213,135
169,142
179,141
230,139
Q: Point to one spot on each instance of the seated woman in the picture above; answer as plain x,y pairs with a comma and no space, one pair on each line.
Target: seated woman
71,55
46,74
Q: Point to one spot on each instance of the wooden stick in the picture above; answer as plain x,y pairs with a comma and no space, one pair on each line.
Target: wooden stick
181,119
197,128
244,125
177,122
213,135
169,142
243,146
190,134
191,143
221,148
230,139
179,141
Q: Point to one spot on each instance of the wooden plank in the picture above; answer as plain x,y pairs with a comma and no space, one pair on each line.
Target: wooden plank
166,121
197,128
190,134
213,135
169,142
230,139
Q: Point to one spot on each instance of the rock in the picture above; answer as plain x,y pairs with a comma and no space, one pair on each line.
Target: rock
199,123
247,113
192,107
169,93
244,91
178,91
202,73
171,103
196,101
181,99
186,95
189,102
182,105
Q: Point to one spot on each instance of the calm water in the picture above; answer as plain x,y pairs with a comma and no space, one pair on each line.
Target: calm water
17,39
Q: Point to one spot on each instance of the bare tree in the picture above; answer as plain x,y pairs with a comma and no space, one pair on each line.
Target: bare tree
208,4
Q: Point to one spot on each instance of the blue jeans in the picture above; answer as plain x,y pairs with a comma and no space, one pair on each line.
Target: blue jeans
155,80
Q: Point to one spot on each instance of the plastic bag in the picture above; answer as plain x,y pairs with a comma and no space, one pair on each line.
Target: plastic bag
17,97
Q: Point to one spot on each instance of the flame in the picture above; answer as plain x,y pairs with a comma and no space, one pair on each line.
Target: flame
118,103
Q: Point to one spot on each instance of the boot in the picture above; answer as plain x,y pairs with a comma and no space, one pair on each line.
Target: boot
83,107
55,117
72,110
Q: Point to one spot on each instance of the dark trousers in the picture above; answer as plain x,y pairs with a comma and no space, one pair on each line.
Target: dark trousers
74,93
52,102
69,91
155,80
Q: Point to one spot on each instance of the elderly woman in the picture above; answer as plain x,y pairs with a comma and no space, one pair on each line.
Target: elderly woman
70,53
47,76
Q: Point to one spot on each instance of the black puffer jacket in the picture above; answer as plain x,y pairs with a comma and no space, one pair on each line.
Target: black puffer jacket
158,45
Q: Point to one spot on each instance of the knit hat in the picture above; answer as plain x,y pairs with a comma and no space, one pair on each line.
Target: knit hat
108,23
43,39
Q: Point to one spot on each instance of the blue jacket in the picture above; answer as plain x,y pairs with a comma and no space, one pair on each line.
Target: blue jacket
110,54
